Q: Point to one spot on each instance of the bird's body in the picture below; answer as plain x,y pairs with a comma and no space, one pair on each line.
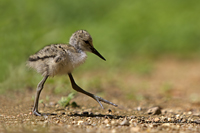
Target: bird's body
58,59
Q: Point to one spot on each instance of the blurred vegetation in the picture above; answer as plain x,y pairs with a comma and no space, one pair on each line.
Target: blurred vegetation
65,101
121,31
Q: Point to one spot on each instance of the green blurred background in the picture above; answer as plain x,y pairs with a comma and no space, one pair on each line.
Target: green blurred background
122,31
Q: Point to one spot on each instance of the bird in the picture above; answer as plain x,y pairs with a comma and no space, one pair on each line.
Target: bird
62,59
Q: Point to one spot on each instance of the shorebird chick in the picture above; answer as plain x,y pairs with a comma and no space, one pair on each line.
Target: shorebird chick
59,59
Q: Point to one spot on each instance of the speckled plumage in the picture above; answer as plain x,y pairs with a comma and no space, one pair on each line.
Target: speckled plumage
57,59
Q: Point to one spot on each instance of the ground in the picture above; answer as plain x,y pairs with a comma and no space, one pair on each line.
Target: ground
166,98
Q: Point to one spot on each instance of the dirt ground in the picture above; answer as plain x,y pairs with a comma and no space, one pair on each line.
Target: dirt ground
167,100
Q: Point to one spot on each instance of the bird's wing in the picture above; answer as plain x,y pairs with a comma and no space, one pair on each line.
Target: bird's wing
53,51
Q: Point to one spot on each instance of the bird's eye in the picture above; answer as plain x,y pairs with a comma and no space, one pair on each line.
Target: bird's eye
87,42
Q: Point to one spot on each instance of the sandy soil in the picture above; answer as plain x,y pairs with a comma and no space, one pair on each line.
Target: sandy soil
167,99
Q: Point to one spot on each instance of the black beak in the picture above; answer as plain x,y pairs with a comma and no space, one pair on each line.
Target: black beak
97,53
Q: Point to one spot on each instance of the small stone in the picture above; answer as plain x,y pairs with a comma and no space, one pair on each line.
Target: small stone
57,106
139,108
109,111
132,117
157,119
183,120
154,111
94,124
58,121
166,124
53,117
107,125
106,121
85,113
177,116
80,122
178,126
164,119
196,121
88,119
189,113
125,122
45,117
172,119
153,125
73,122
113,122
33,123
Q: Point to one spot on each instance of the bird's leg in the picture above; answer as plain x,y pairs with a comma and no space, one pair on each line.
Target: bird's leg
77,88
37,95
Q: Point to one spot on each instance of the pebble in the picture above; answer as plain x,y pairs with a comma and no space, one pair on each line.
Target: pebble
108,125
132,117
85,113
153,125
74,122
166,124
106,121
157,119
196,121
154,111
164,119
189,113
88,119
125,122
58,121
80,122
139,109
109,111
177,116
113,122
183,120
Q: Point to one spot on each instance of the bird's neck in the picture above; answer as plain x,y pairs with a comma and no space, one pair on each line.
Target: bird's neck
78,57
79,50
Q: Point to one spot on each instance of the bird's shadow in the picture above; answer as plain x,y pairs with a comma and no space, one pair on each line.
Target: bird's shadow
98,115
87,115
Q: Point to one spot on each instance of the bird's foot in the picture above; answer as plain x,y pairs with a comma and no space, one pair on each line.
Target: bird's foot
98,99
37,113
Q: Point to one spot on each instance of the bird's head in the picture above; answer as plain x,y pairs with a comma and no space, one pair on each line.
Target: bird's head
82,40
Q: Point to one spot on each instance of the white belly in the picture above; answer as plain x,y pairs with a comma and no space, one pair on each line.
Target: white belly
67,64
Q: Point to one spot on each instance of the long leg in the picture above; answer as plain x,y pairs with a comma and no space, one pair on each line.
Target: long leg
77,88
37,95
